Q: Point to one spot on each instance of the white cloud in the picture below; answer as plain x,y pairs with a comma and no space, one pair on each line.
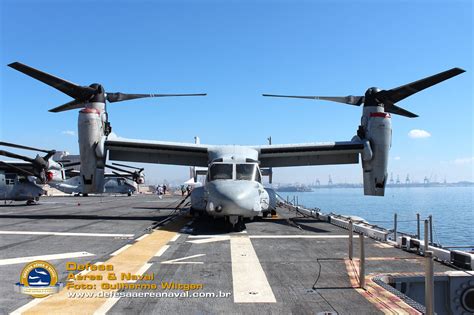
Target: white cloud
68,132
419,133
397,158
463,161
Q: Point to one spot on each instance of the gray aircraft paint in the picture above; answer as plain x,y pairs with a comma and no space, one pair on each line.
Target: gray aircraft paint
112,185
91,123
19,191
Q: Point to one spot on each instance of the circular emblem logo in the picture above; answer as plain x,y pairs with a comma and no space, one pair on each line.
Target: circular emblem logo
39,279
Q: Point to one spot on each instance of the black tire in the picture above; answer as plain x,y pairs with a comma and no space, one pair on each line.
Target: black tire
240,225
265,214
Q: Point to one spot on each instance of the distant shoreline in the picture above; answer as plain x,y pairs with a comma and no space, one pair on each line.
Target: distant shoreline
310,188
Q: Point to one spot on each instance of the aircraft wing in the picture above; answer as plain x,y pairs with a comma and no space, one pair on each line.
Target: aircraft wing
310,154
160,152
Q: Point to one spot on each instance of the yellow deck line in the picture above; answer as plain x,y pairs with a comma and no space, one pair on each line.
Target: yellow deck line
130,260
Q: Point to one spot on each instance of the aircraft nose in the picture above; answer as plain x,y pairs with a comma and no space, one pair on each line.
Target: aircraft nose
234,196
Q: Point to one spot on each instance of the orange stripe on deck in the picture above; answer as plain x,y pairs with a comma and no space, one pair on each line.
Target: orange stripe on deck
384,300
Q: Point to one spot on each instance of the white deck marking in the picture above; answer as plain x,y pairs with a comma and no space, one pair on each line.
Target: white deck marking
175,237
28,305
22,260
179,260
203,239
104,308
217,235
249,280
162,250
142,237
121,249
299,236
209,240
64,234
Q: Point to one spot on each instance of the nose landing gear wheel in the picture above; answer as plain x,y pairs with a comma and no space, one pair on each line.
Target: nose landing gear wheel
235,223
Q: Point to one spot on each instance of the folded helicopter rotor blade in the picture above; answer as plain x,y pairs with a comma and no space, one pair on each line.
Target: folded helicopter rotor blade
18,169
49,155
122,175
68,106
71,164
397,94
19,146
350,99
16,156
118,169
73,90
119,97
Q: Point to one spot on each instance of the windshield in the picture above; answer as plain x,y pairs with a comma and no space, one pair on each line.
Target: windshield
220,171
245,171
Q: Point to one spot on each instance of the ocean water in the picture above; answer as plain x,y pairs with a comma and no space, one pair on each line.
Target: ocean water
452,209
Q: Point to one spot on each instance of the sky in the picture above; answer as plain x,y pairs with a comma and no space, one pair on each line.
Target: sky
235,51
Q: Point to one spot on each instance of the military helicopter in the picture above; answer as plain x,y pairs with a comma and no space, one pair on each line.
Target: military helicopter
20,181
233,188
114,183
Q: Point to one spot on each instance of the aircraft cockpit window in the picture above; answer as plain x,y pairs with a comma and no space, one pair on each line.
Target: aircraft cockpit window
220,171
245,171
10,178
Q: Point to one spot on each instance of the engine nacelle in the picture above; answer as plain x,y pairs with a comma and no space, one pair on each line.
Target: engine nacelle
91,131
378,133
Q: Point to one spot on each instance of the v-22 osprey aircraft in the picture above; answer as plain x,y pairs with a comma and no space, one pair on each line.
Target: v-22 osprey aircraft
233,187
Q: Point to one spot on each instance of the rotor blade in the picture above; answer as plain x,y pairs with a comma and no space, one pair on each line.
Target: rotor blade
350,99
119,97
122,175
68,106
394,109
49,155
18,169
16,156
402,92
71,164
118,169
19,146
118,164
73,90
